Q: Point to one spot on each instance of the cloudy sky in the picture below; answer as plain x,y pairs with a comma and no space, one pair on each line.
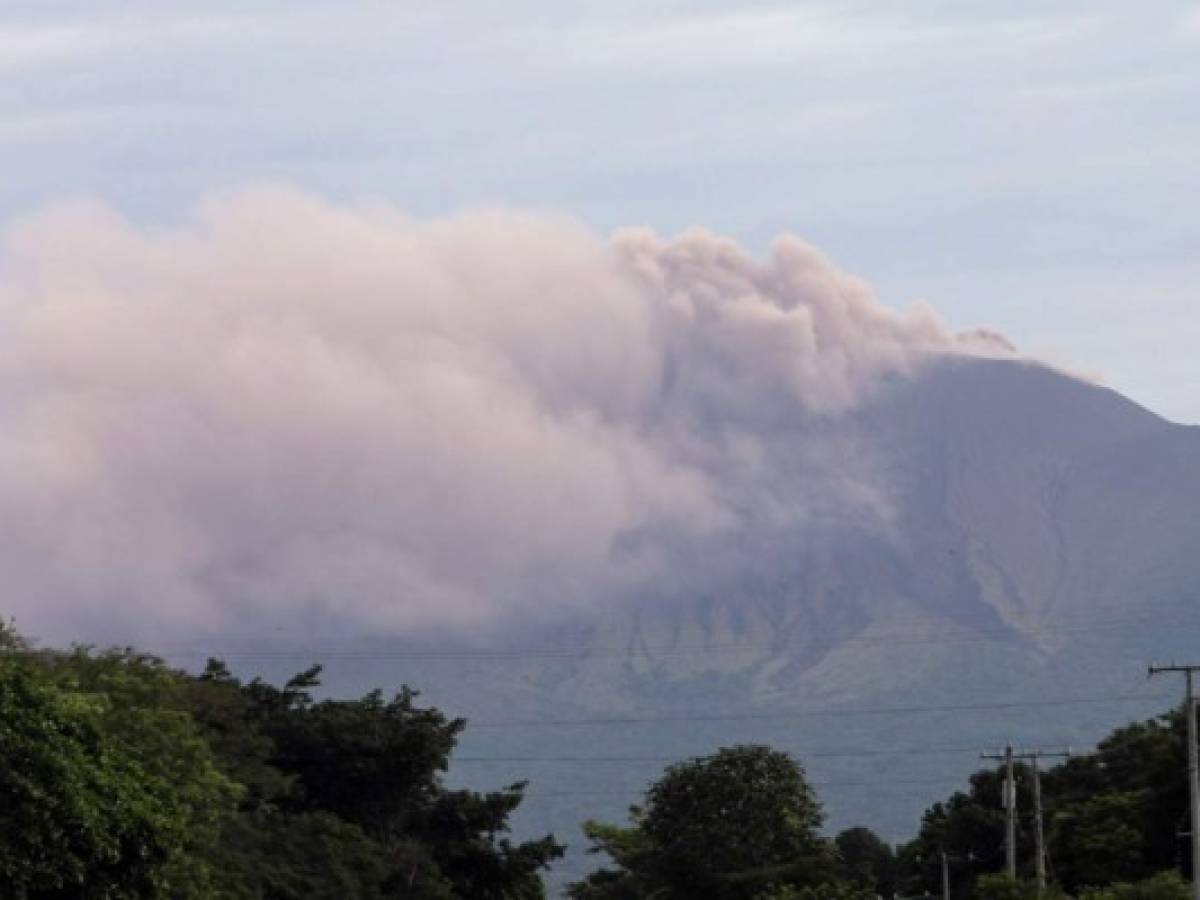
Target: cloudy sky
339,306
1028,166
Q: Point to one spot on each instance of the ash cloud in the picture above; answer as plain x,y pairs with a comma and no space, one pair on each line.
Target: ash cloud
286,409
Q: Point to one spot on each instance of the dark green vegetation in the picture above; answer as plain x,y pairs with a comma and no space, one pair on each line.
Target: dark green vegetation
1115,816
123,778
740,825
1164,886
743,825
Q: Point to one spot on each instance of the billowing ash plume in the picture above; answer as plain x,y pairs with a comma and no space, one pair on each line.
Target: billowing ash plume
288,408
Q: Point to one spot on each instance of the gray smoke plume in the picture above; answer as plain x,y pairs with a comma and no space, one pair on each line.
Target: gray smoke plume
288,408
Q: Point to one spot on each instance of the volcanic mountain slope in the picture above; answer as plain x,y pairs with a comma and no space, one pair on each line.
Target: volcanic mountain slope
1037,541
1029,515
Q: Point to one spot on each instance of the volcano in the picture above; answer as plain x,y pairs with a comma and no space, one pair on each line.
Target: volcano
1041,543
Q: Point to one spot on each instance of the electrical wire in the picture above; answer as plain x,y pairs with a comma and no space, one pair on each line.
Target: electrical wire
809,713
641,646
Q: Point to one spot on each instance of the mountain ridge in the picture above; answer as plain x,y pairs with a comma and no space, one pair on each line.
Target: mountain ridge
1036,544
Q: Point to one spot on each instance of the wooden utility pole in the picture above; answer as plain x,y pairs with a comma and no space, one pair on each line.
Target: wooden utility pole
1193,764
1038,824
1010,810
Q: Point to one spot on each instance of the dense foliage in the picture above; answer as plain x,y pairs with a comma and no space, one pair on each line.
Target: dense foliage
1163,886
1115,816
123,778
866,861
744,824
740,824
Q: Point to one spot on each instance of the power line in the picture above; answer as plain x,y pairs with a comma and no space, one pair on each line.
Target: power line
814,713
625,793
811,754
914,625
640,647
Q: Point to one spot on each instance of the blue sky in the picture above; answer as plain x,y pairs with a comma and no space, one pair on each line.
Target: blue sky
1026,166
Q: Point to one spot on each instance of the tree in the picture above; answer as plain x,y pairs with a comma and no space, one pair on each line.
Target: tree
1164,886
969,825
374,767
632,853
1098,841
315,856
143,709
866,860
121,777
91,806
1112,816
1001,887
1115,815
724,826
828,891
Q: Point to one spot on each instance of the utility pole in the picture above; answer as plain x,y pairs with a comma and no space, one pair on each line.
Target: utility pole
1010,810
1189,711
1039,828
945,876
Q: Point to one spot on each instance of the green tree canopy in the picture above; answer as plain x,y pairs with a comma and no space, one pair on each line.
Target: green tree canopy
121,777
723,826
1164,886
866,860
101,795
365,774
1111,816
